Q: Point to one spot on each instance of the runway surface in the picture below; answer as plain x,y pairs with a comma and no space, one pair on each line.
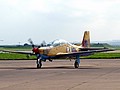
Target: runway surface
97,74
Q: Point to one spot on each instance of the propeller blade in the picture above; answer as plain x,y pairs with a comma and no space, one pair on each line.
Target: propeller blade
31,42
43,44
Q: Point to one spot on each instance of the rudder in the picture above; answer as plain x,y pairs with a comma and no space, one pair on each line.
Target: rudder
86,39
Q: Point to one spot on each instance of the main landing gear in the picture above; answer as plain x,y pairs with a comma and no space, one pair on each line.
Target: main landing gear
77,61
76,64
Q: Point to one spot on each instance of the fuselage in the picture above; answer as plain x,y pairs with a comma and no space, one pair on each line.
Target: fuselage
64,48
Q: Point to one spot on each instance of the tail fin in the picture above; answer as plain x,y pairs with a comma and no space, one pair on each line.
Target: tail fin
86,39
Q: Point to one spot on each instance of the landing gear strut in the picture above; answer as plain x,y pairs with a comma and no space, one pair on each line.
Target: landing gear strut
77,61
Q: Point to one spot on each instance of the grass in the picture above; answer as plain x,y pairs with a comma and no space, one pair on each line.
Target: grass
103,56
13,56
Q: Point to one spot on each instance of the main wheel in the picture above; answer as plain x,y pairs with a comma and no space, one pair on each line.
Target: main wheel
76,65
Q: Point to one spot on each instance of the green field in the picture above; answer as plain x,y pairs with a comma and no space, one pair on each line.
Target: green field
13,56
103,56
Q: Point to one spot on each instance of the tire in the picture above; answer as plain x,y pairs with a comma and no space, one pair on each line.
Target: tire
39,65
76,65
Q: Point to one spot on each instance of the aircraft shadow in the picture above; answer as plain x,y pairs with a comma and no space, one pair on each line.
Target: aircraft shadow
55,67
19,68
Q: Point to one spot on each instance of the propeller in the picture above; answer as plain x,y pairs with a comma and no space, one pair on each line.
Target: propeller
43,44
31,42
35,50
35,47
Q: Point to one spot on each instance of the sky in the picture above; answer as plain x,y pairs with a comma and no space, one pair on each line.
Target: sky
58,19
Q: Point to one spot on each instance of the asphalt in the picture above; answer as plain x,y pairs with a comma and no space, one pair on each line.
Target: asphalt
97,74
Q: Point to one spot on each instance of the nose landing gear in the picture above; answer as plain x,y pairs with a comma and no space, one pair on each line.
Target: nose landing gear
39,63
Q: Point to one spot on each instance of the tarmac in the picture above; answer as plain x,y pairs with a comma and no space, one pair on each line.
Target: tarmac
96,74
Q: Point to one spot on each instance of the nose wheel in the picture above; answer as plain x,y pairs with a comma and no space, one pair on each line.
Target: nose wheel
76,64
39,63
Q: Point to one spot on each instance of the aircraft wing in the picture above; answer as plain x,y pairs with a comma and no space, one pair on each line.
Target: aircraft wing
92,48
81,53
19,52
60,55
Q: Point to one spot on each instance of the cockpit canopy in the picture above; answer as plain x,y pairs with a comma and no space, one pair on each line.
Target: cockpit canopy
59,42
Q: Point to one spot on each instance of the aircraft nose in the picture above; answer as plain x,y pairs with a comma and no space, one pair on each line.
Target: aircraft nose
35,50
